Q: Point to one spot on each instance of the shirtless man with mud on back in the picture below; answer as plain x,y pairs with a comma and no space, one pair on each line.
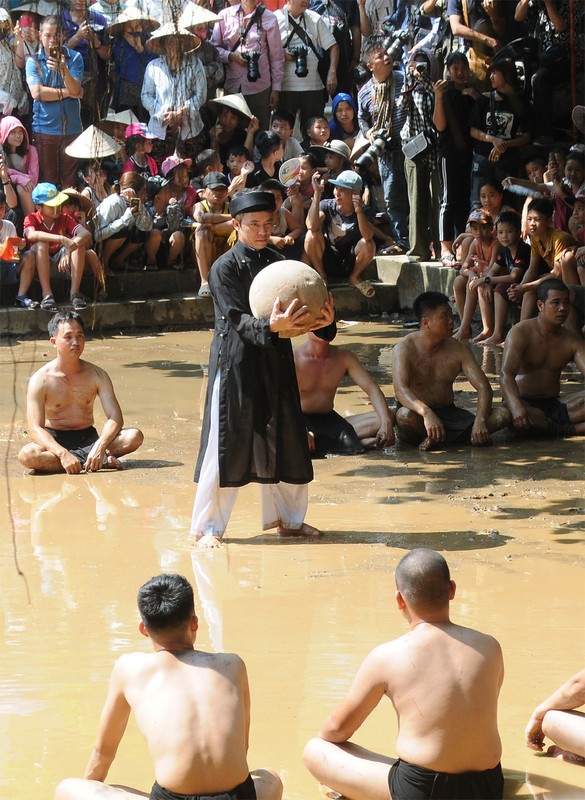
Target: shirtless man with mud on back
425,366
443,681
59,403
535,353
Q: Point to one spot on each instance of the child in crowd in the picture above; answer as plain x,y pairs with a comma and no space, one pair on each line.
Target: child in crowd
96,187
60,243
205,162
239,167
491,197
511,263
336,158
139,144
15,270
573,259
566,186
214,225
317,132
307,169
270,148
547,245
287,231
344,122
182,198
535,167
22,161
283,123
480,259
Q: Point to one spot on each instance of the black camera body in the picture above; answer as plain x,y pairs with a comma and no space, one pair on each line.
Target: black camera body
300,53
379,145
394,41
252,57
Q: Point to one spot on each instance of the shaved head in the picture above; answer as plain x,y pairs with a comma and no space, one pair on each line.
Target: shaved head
423,579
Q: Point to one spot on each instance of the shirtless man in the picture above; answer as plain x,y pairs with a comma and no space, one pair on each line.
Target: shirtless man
443,681
193,709
535,353
59,403
320,368
557,719
425,365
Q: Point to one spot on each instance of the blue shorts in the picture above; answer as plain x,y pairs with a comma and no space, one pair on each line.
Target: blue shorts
9,272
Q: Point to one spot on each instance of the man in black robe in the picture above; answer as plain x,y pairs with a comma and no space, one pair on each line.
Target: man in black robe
253,429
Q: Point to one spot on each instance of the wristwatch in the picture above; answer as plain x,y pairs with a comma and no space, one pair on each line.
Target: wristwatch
487,280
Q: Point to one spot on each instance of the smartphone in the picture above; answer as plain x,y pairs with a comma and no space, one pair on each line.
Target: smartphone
26,21
135,203
55,52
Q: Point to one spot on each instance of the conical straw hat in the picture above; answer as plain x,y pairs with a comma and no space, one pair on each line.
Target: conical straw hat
132,15
120,118
194,15
157,42
92,143
361,144
236,102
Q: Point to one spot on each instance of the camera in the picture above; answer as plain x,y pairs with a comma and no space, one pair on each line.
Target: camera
55,52
135,204
300,54
378,146
253,71
421,67
394,41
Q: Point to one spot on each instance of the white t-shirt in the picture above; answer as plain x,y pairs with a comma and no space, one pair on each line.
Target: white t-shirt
318,32
7,230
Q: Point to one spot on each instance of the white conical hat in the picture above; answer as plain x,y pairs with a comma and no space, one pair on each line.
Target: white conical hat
156,43
92,143
194,15
361,144
236,102
121,117
132,14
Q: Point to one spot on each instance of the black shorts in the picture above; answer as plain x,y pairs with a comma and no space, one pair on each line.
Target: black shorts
410,782
338,262
556,413
333,435
244,791
458,424
79,443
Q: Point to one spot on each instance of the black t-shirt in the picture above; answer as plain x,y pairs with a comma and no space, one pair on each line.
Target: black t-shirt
504,116
455,140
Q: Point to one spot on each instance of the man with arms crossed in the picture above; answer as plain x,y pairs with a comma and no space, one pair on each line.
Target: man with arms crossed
425,366
193,709
443,681
535,353
59,403
320,368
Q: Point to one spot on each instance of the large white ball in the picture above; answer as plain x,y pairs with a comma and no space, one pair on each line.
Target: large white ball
288,280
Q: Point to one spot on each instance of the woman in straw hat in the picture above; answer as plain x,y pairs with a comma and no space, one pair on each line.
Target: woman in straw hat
174,88
130,33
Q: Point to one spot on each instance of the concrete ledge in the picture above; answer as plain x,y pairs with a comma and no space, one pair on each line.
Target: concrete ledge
412,277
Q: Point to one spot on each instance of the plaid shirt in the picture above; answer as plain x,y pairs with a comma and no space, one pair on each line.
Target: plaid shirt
418,100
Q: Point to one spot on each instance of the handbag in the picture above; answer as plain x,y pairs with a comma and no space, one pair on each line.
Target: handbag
415,147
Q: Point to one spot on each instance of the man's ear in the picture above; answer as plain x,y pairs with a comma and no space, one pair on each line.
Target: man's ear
236,223
194,624
400,601
142,629
452,589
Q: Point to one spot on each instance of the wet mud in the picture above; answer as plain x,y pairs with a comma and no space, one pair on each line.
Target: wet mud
303,614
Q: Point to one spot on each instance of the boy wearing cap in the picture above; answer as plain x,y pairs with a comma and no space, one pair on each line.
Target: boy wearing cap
336,157
56,240
139,143
340,236
13,269
214,225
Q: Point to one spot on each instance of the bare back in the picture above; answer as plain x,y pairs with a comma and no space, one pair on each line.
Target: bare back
67,398
193,710
427,374
444,681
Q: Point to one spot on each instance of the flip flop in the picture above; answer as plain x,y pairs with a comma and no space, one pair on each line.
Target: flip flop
366,288
204,291
391,250
22,301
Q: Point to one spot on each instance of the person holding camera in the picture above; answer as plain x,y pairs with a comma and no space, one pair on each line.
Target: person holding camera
86,33
305,36
381,120
54,79
248,41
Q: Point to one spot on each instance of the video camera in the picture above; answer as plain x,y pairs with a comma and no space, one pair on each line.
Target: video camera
394,40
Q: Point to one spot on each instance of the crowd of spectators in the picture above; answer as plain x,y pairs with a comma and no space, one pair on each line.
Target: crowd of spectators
439,129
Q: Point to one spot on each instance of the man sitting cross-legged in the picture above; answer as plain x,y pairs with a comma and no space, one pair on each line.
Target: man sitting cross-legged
425,366
320,369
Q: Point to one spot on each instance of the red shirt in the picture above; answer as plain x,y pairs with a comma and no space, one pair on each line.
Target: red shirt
64,225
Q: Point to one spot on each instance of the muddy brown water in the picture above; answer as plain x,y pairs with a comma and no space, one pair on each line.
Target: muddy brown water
509,519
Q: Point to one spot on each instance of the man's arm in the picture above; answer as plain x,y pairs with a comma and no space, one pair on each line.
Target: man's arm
514,349
364,380
112,426
113,721
569,696
458,28
315,217
364,695
476,377
401,376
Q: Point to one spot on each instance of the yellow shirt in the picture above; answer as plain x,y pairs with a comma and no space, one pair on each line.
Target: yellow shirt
555,244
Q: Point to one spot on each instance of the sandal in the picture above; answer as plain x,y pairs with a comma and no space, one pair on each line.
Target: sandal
448,260
78,301
22,301
204,291
391,250
366,288
48,304
150,267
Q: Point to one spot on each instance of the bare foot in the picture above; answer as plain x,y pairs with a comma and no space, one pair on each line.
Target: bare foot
304,530
462,335
554,751
208,542
113,463
426,444
481,337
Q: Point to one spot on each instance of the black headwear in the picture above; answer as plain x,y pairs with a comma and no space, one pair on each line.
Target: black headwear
252,200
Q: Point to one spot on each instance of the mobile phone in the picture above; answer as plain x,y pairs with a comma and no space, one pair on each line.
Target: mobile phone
55,52
135,203
26,21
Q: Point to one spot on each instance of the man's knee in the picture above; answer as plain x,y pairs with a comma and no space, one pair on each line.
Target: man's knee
29,454
267,784
313,754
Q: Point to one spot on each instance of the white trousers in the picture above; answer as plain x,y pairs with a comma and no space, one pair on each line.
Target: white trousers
282,503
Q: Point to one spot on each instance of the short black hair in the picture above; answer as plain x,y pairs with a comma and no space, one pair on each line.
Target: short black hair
283,116
267,142
166,602
542,205
423,579
205,159
272,185
239,150
456,58
373,43
511,218
493,183
429,301
536,158
61,317
550,285
312,120
311,158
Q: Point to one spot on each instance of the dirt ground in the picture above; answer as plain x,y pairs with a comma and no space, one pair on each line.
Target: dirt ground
509,519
